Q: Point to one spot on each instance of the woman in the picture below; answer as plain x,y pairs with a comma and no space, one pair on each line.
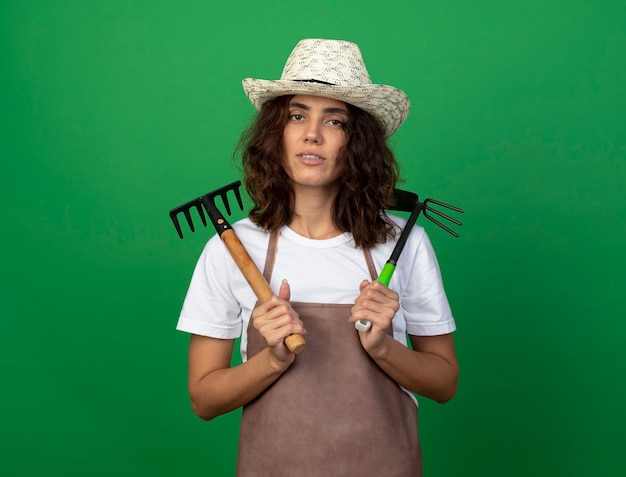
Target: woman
320,174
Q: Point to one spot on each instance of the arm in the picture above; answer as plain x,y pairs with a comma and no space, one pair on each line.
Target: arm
430,369
215,387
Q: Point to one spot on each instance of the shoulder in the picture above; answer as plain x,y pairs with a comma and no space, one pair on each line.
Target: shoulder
245,230
417,257
246,226
417,236
249,234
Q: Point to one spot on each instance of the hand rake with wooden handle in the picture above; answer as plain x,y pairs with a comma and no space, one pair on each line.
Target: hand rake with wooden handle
295,343
405,201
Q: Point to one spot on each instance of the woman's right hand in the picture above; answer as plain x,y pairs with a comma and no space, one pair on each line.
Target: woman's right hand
215,387
275,319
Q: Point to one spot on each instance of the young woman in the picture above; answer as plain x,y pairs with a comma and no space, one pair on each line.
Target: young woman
320,174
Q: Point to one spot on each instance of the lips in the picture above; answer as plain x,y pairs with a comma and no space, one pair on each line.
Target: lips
310,159
310,155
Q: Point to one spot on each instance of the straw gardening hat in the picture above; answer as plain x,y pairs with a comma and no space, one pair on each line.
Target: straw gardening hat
333,69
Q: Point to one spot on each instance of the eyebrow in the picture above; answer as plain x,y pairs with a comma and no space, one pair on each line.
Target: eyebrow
326,110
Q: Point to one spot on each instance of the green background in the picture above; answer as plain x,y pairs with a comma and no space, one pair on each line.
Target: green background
113,112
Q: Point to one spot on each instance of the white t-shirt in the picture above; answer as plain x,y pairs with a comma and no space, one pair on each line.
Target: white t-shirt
219,300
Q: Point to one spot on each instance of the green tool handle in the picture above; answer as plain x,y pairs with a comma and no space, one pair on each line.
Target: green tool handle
385,274
384,277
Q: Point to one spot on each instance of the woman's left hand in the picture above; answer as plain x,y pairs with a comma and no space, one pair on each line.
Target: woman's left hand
378,304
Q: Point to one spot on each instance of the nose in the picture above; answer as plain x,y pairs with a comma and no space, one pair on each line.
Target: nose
313,133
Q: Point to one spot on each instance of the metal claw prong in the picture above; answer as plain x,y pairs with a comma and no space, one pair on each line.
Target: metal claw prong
428,209
176,224
189,219
238,197
201,213
441,214
444,227
225,202
447,206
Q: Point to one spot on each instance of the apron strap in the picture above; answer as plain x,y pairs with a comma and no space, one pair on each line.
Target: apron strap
370,263
270,257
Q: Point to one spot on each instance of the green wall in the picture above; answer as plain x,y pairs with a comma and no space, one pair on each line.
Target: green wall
113,112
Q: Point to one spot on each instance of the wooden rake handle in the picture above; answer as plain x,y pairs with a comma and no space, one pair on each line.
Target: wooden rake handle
295,343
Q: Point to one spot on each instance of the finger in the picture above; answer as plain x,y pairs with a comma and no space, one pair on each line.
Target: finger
382,287
382,291
371,309
277,315
285,290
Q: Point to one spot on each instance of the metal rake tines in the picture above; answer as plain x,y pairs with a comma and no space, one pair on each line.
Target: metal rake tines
426,209
207,202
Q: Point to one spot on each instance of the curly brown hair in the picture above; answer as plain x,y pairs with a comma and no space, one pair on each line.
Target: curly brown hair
370,173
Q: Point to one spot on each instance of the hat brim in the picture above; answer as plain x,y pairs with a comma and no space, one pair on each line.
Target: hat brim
390,105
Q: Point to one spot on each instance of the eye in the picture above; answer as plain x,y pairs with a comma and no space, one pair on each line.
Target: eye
296,117
337,123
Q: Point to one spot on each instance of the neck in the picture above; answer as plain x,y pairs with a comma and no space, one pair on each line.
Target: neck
312,217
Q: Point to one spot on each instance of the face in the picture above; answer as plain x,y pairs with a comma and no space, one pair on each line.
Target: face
312,138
